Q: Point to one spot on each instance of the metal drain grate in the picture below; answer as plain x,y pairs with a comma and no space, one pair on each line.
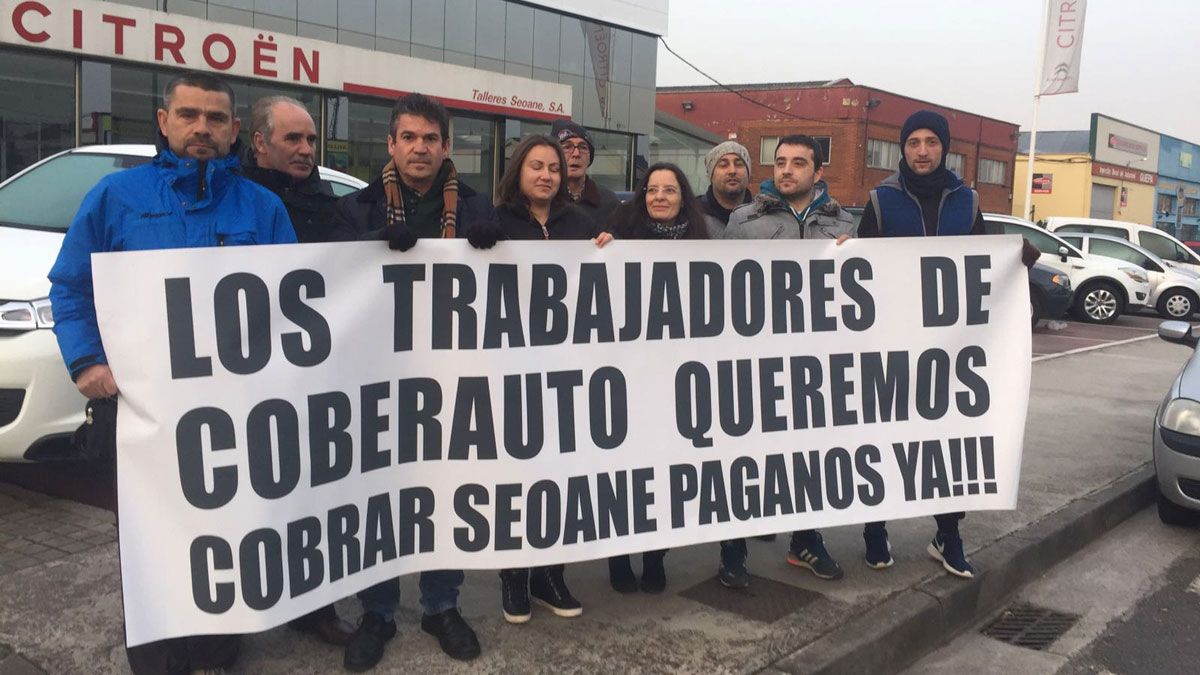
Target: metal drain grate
766,600
1030,626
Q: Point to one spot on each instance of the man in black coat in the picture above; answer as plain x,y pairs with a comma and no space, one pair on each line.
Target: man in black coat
282,158
728,166
598,201
416,196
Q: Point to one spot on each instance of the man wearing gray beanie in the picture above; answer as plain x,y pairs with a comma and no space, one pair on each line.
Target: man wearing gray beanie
728,167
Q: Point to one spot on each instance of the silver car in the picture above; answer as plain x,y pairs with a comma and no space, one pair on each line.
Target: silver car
1177,435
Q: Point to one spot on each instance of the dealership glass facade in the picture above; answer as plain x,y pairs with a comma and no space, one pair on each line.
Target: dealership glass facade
116,101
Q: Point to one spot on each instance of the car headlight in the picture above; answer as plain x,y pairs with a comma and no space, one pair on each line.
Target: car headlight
1182,415
1137,274
18,315
1061,280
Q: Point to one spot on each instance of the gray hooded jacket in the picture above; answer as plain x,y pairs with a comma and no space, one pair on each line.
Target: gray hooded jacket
770,217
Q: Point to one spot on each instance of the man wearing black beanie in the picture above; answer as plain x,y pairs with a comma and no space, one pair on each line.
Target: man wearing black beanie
925,199
598,201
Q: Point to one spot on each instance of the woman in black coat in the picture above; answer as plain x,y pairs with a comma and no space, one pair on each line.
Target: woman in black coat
663,207
532,203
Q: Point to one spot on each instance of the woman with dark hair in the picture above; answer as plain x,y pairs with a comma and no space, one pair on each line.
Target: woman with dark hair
663,207
532,203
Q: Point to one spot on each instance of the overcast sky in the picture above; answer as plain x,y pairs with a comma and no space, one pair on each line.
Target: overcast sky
1141,58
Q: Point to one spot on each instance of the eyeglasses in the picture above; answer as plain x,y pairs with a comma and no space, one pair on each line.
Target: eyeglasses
668,191
581,148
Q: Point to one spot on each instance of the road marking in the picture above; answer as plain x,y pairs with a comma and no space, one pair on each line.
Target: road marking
1081,350
1195,586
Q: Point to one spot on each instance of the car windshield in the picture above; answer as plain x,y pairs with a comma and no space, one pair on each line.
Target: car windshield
47,197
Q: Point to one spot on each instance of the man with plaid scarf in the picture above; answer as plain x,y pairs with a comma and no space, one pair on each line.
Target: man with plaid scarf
416,196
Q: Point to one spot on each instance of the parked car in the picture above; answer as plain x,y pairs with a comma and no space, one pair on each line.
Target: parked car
1174,291
1160,242
39,405
1104,288
1176,432
1049,293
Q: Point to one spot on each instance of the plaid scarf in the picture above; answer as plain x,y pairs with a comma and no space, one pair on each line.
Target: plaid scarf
394,214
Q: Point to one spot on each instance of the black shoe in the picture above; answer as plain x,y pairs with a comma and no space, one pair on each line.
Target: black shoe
547,587
325,624
365,648
654,575
453,634
621,576
734,575
514,595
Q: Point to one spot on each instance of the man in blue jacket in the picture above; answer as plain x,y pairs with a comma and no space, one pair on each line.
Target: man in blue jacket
191,195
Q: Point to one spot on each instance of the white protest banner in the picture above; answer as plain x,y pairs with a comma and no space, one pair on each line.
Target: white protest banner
297,423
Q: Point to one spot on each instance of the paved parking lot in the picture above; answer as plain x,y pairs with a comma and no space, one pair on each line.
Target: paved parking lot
1051,337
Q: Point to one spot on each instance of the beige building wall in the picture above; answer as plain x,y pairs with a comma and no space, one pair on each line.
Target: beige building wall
1071,191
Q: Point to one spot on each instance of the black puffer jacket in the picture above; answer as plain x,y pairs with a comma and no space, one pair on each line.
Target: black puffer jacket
567,221
310,204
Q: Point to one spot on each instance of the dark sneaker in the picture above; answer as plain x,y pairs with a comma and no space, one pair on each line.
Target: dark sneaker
365,648
621,576
733,574
948,550
548,588
879,549
453,634
654,574
514,595
813,557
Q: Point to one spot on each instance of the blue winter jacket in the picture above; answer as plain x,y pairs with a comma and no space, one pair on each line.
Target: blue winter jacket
898,212
167,203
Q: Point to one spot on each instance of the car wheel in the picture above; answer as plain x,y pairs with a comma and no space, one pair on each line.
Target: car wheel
1171,513
1099,302
1177,303
1035,308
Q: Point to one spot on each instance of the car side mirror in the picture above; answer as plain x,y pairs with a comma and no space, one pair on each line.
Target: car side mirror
1063,252
1179,332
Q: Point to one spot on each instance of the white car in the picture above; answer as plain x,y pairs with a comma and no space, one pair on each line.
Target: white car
1174,292
1153,239
39,405
1104,288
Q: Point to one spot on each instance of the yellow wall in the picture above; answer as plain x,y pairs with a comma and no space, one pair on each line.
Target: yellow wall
1139,207
1072,190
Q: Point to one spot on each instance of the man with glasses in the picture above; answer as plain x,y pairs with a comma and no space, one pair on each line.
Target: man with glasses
598,201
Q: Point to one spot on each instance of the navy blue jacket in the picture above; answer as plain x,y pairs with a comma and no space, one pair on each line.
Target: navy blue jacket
895,212
362,214
168,203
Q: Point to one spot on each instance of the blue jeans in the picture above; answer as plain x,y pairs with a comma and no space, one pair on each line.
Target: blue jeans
439,592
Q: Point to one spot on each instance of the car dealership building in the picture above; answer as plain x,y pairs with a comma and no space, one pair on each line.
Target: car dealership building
78,72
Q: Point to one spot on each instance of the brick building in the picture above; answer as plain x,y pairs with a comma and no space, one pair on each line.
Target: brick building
858,126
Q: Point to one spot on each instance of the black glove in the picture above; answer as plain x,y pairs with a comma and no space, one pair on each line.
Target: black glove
400,238
485,234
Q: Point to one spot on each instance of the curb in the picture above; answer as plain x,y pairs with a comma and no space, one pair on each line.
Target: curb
894,634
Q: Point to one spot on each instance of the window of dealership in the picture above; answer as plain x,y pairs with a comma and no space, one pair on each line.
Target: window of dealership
56,100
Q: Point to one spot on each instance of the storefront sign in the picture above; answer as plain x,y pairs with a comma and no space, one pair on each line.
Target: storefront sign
115,31
1118,143
301,423
1128,145
1043,183
1123,173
